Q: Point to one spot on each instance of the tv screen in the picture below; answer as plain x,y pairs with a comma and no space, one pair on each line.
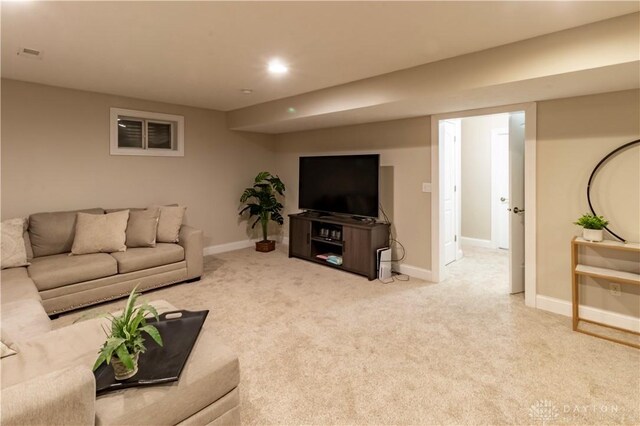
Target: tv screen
343,184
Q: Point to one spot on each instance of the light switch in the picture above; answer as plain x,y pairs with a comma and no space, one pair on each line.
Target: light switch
426,187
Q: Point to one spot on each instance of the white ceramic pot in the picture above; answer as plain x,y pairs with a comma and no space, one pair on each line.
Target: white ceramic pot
595,235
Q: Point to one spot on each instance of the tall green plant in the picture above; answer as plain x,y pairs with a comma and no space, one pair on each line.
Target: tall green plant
125,339
263,202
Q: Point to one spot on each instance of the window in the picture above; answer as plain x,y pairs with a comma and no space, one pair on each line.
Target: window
146,133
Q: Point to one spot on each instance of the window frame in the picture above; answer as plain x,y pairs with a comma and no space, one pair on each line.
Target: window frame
177,144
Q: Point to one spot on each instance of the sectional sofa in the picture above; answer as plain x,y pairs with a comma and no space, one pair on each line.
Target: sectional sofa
49,380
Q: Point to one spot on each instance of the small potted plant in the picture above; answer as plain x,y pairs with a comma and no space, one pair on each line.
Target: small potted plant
264,204
125,342
592,227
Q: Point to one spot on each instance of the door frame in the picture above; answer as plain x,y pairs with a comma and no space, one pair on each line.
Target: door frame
494,194
437,231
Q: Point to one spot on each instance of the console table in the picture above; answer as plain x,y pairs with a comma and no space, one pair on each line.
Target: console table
357,243
580,268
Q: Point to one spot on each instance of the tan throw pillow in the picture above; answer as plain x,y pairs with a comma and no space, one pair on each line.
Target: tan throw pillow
6,350
7,346
169,223
13,250
143,227
100,233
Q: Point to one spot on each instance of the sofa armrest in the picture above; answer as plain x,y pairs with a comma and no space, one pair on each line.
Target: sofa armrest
191,240
64,397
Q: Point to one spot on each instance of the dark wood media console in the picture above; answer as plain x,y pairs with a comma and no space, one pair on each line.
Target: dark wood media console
355,241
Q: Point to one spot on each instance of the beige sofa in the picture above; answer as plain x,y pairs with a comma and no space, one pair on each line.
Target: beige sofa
69,282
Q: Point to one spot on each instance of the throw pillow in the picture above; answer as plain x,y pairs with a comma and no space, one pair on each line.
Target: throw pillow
142,228
7,347
5,350
169,223
14,251
100,233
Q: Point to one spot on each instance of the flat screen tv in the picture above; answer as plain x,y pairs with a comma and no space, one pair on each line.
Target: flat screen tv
342,184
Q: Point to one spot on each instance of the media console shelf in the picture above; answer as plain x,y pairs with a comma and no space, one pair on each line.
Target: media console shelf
608,250
355,242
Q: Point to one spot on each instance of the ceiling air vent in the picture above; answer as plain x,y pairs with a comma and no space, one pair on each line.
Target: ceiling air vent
30,53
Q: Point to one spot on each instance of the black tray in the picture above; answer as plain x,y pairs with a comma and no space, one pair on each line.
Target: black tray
159,364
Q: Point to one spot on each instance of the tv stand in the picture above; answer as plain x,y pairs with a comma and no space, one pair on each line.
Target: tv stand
350,239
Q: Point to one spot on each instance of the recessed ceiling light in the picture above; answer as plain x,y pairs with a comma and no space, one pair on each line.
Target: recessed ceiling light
246,91
276,66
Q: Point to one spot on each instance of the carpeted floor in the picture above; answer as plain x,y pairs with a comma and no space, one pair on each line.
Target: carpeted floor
320,346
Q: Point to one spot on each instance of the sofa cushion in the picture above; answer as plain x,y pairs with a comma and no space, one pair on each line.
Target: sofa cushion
14,252
16,285
142,228
24,319
61,269
60,397
53,233
100,233
136,259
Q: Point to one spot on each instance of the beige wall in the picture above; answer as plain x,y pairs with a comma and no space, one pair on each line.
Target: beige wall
475,149
55,156
404,151
573,135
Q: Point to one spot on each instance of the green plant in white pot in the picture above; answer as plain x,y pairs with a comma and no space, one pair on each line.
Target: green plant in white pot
125,341
592,227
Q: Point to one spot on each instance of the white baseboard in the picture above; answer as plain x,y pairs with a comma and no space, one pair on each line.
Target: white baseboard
239,245
563,307
476,242
413,271
223,248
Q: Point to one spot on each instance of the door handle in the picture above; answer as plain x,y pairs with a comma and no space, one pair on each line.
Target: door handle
516,210
503,199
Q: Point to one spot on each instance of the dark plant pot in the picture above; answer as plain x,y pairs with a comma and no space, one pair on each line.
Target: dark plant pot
265,246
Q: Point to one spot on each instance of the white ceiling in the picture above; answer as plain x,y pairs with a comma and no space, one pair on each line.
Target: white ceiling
203,53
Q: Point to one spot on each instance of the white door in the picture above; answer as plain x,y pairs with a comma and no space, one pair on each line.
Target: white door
516,202
449,135
500,188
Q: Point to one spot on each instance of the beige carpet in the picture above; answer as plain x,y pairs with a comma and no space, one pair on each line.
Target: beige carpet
320,346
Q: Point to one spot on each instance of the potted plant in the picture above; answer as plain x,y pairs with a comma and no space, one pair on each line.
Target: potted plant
125,342
592,227
264,204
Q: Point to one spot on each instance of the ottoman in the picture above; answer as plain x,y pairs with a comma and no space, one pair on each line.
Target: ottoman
207,392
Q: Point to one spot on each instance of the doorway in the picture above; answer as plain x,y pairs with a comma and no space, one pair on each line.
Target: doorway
479,176
518,162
